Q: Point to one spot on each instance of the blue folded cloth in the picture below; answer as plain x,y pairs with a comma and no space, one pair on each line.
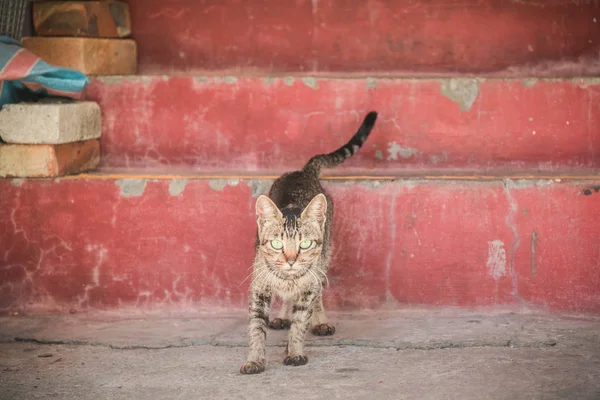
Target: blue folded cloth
26,77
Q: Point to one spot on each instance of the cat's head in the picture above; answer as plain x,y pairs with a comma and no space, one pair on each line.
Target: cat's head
291,240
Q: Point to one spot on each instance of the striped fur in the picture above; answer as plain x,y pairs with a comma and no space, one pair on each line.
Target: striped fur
315,164
296,213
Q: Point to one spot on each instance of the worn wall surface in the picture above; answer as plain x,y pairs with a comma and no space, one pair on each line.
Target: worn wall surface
275,124
432,211
77,244
556,37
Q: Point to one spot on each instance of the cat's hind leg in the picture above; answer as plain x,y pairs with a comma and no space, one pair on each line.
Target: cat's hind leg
319,324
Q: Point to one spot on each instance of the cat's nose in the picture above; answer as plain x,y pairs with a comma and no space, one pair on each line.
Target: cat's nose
291,260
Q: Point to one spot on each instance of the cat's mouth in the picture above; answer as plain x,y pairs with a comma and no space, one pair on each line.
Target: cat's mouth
291,273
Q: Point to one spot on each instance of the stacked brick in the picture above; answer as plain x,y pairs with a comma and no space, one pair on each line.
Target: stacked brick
88,36
50,138
54,138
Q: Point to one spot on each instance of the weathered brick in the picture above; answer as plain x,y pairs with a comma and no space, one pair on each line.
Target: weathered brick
50,122
107,19
45,160
90,56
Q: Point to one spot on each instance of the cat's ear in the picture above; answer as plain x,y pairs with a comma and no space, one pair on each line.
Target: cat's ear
316,209
266,209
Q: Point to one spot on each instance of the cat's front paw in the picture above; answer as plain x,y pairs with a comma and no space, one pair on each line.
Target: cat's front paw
279,324
252,367
323,330
295,361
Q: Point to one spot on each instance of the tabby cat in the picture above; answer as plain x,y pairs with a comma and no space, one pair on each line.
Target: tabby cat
292,255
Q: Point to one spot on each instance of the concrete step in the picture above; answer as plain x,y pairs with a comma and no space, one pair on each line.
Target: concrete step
451,354
441,37
156,241
257,123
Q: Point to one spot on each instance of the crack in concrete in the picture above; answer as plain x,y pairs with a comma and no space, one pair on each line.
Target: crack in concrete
321,343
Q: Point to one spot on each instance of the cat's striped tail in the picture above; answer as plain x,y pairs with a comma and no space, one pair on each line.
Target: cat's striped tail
315,164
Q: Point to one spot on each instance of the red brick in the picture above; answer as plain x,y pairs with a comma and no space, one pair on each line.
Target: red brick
106,19
90,56
41,160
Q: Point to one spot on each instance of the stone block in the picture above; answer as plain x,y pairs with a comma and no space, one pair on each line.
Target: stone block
88,55
50,122
45,160
106,19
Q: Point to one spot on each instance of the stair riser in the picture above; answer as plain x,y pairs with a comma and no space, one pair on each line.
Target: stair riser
473,36
102,244
278,124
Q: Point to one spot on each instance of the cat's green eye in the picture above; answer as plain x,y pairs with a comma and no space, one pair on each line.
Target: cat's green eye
277,244
305,244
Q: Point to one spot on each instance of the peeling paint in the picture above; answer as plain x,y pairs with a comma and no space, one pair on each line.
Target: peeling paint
527,183
131,187
230,79
119,79
217,184
496,261
288,80
370,184
462,91
379,154
201,79
396,150
259,187
269,80
220,184
177,186
436,159
311,83
371,83
17,182
377,184
529,82
585,83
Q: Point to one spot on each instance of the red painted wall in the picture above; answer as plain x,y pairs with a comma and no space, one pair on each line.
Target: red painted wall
556,37
105,244
265,124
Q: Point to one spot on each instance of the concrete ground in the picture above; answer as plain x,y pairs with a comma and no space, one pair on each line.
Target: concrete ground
409,354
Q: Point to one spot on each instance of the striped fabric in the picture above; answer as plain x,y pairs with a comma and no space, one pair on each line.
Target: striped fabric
26,77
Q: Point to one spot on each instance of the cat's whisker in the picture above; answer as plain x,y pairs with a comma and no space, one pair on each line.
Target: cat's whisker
319,270
267,278
249,275
317,280
258,280
261,277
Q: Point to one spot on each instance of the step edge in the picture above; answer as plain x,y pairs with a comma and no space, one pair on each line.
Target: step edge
557,177
231,78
